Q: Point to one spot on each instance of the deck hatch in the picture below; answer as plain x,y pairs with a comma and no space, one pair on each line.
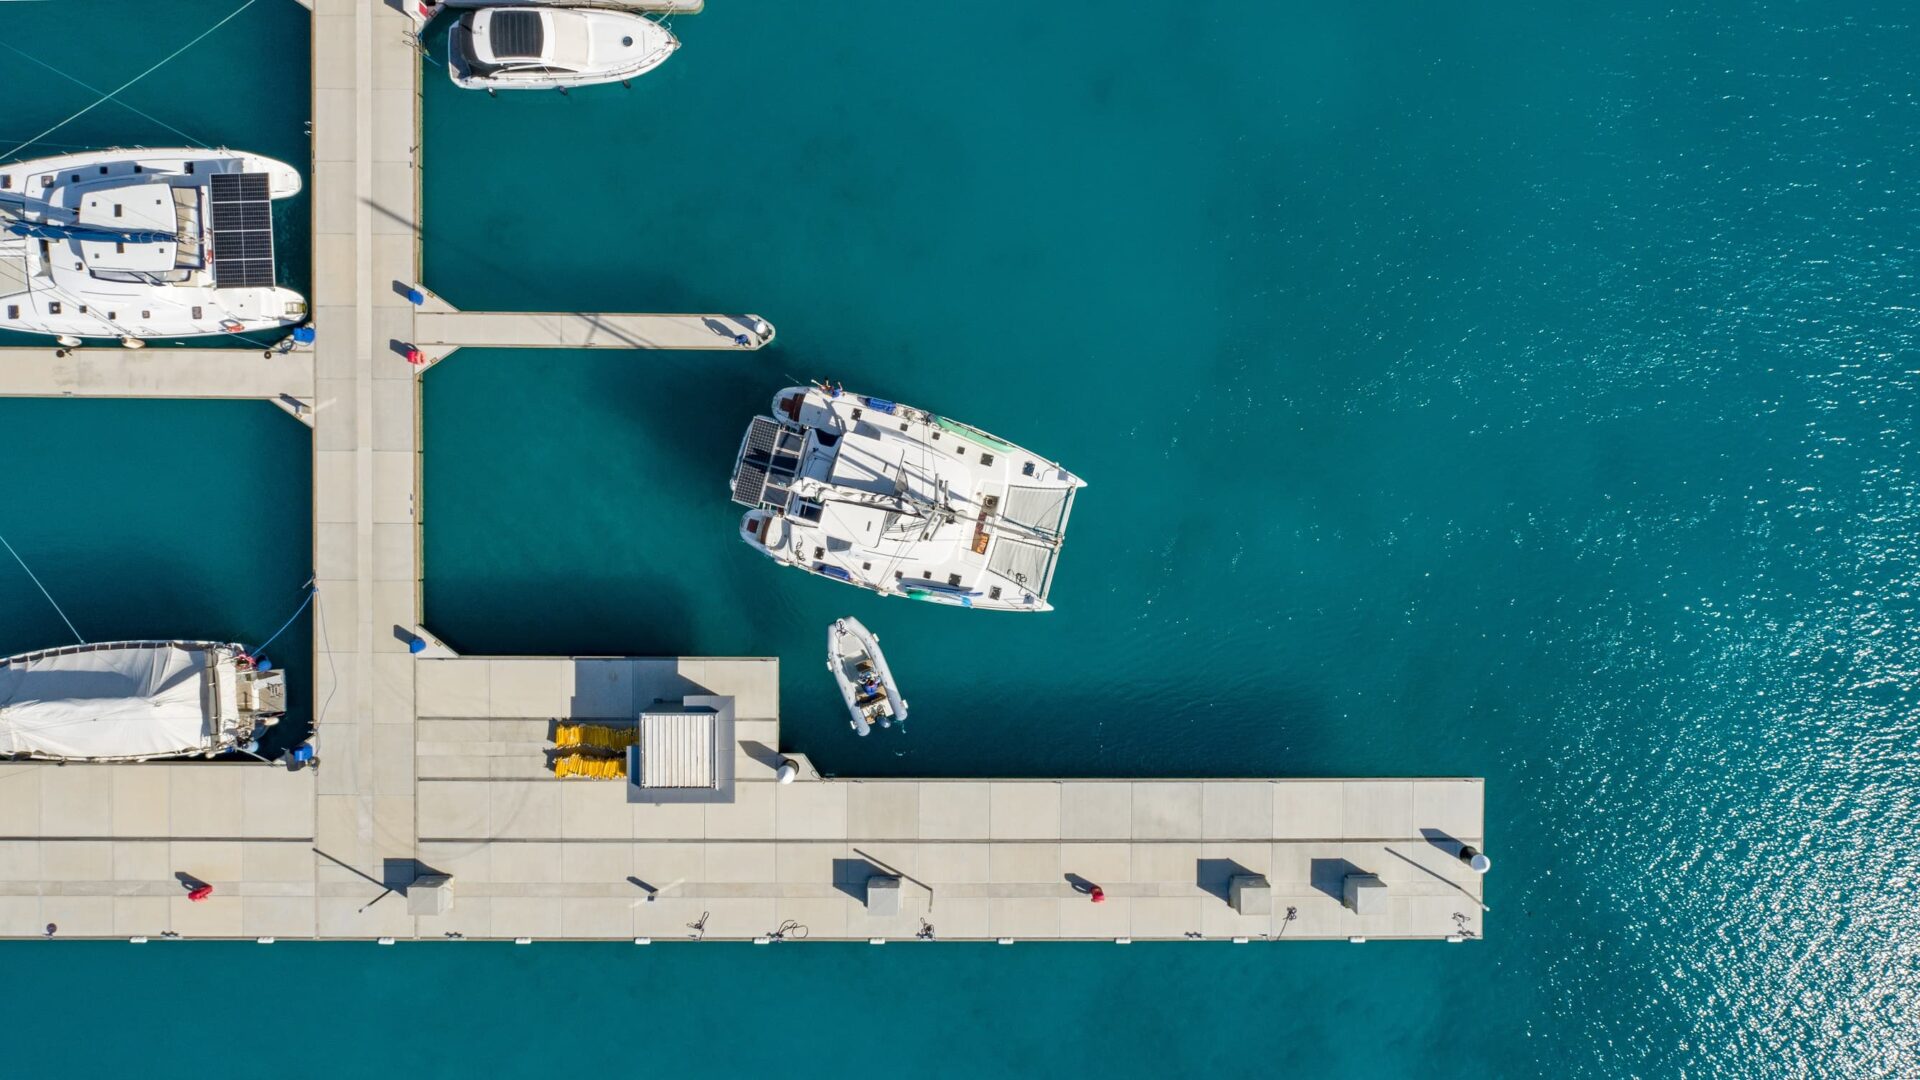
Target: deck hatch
241,208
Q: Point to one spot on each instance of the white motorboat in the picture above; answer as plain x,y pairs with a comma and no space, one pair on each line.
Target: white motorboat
135,701
899,500
138,244
553,48
866,683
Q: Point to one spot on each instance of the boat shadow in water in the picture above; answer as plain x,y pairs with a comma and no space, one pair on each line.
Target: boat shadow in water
636,614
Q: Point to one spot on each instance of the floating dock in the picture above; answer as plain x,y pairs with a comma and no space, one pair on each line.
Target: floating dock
431,812
466,816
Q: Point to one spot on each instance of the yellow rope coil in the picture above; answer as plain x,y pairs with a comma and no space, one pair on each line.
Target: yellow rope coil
590,767
594,737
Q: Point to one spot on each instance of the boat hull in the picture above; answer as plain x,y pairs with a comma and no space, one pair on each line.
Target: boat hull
866,681
135,701
53,284
623,45
901,501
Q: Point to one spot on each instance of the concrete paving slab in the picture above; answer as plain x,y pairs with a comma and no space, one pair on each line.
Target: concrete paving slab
750,816
77,801
206,801
595,810
808,811
883,810
1096,810
1237,810
740,861
1378,808
954,810
1166,811
1024,810
1037,863
1309,809
455,809
141,801
20,798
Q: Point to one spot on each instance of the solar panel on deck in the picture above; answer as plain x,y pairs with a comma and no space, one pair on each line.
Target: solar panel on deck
516,35
241,209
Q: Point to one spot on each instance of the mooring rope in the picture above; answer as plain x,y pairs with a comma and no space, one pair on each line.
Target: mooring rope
43,590
169,58
262,647
94,89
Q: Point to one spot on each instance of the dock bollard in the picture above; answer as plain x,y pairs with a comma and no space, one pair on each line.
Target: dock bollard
417,645
1472,857
415,356
416,297
787,771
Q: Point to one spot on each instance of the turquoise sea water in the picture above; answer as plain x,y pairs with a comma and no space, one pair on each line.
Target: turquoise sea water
1464,390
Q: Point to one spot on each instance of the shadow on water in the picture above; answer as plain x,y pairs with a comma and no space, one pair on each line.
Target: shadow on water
575,614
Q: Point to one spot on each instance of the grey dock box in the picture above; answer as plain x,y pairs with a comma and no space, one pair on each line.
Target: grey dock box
1366,894
883,895
430,894
1250,894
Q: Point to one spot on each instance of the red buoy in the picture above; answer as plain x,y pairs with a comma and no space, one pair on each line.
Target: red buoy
200,892
1099,895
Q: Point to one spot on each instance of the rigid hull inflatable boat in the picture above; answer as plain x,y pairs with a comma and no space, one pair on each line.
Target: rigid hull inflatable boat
866,682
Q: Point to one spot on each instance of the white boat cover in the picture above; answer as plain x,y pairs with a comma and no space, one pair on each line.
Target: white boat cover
106,703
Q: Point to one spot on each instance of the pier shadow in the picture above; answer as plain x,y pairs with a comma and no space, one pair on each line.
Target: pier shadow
1215,877
1330,876
1079,884
644,887
762,753
187,881
401,289
850,876
397,874
1444,842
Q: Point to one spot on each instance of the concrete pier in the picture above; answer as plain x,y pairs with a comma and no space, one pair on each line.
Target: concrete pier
107,850
440,328
106,371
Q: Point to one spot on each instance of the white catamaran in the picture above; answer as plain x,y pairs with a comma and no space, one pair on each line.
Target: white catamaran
901,501
138,244
135,701
552,48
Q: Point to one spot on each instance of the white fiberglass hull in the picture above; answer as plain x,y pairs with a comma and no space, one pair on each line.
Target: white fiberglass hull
866,682
902,502
574,47
135,701
66,272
